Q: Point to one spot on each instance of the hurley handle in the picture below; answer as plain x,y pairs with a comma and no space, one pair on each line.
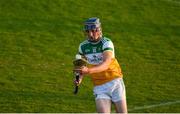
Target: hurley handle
78,63
76,87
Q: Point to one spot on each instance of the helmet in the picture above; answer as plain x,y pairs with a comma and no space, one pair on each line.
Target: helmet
92,23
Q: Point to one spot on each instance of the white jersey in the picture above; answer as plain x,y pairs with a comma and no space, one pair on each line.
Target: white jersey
94,51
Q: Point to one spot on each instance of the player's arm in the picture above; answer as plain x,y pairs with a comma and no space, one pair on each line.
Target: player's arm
107,57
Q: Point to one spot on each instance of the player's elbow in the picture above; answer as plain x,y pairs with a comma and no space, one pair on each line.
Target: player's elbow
106,65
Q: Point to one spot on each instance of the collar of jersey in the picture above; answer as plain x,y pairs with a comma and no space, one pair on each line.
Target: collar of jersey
94,43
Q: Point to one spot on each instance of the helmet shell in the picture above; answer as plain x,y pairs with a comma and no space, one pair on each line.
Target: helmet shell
92,23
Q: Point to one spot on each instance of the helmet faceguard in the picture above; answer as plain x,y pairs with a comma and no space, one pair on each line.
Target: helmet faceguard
93,24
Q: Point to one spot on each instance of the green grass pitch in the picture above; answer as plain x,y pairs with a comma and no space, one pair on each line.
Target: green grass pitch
39,40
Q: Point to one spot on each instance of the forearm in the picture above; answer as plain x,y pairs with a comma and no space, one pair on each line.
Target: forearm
99,68
104,65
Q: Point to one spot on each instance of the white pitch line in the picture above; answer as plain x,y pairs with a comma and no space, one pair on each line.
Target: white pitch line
155,105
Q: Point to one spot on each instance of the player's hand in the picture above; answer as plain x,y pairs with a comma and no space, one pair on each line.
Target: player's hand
79,81
83,70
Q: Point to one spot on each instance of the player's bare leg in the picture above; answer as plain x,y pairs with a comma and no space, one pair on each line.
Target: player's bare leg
103,105
121,106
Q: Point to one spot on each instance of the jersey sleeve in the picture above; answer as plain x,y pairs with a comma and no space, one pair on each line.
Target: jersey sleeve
108,45
80,50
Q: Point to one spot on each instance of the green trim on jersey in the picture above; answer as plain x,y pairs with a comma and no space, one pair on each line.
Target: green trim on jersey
108,49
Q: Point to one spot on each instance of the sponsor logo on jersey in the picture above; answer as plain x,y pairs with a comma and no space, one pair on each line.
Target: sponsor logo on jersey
95,59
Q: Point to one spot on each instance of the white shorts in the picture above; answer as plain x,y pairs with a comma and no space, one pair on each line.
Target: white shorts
113,90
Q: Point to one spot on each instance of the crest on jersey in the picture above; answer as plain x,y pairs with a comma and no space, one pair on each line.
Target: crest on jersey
94,49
